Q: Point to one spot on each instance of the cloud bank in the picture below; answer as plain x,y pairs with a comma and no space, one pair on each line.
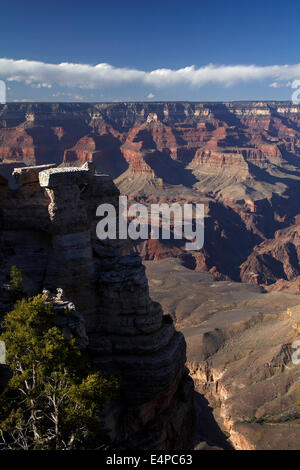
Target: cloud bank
101,75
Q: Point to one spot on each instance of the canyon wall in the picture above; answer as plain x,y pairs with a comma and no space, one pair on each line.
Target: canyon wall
241,160
48,230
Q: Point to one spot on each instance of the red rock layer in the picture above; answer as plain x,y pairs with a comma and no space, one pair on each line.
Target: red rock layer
243,157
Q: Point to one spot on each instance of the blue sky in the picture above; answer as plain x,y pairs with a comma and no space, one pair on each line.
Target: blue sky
208,50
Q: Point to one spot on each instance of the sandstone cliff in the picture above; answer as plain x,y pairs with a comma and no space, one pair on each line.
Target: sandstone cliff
48,232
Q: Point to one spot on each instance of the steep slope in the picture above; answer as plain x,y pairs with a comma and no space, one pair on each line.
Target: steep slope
239,349
274,259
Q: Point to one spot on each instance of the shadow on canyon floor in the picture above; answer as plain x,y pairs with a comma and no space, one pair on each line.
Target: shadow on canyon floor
207,429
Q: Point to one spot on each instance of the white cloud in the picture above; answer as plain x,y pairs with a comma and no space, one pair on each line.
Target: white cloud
98,76
275,85
74,96
40,85
280,85
150,96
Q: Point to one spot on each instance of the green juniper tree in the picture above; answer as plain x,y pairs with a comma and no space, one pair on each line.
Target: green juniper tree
16,284
52,400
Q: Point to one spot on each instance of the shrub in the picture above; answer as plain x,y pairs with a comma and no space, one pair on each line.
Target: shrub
16,284
53,398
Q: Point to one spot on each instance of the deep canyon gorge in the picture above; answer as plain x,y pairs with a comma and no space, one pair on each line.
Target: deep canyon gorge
235,303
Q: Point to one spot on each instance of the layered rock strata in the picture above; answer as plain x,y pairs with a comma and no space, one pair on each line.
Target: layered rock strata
48,230
241,159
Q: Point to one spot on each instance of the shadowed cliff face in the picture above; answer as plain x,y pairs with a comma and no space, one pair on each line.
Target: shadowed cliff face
48,230
242,160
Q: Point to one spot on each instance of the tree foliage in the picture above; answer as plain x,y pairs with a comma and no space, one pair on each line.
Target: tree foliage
16,284
53,398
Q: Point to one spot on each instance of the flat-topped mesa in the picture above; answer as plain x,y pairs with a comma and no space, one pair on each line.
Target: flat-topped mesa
48,230
54,177
218,160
